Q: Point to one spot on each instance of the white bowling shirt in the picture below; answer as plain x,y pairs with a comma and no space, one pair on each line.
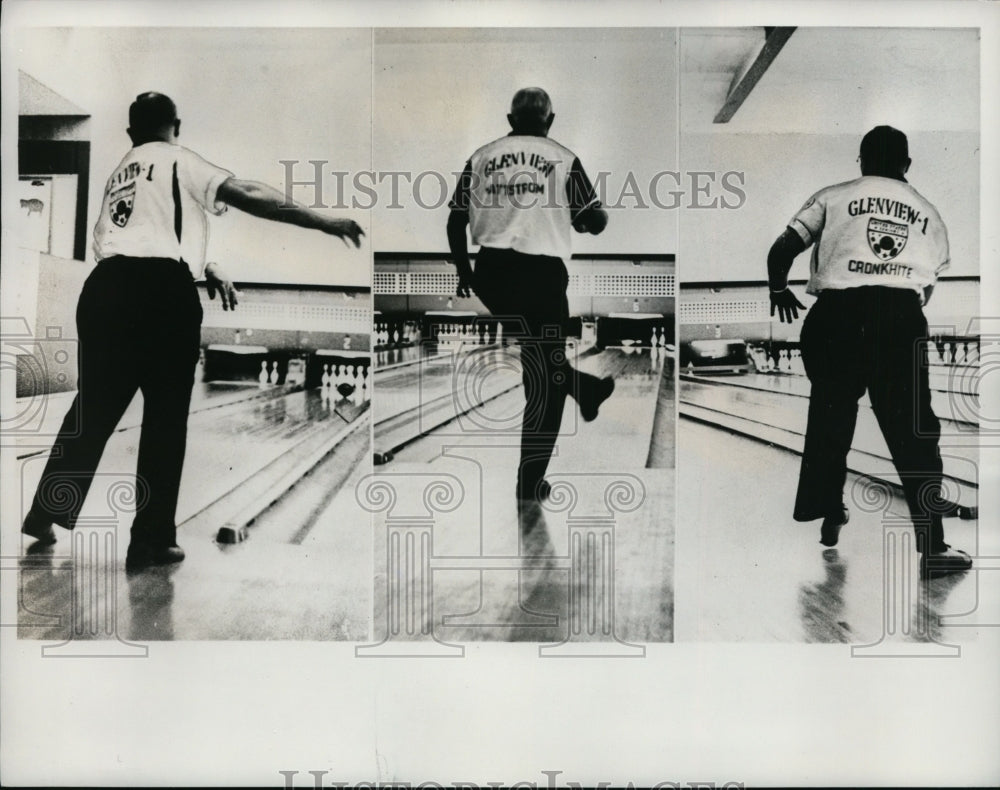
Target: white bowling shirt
522,192
154,205
872,231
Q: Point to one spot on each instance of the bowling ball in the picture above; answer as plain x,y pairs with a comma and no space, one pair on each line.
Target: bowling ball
345,389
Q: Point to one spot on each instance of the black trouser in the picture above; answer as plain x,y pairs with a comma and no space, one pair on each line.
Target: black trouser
531,290
870,339
139,322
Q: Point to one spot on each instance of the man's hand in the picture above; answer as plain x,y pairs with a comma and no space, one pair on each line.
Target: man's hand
788,306
216,280
591,220
464,279
344,229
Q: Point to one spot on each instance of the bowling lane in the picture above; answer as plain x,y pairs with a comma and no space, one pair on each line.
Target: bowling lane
954,399
253,591
226,445
619,438
298,574
402,355
751,573
503,573
527,590
774,408
429,374
49,410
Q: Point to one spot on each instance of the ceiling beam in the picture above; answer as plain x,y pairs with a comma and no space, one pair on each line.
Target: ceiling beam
775,38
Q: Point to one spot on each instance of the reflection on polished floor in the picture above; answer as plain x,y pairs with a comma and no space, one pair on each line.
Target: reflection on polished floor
278,465
765,578
589,570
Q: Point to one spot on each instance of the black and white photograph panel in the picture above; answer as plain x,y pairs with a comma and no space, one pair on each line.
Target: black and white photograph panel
524,339
830,339
183,288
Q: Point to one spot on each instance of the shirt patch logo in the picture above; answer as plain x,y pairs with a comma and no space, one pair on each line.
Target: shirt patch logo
887,239
120,204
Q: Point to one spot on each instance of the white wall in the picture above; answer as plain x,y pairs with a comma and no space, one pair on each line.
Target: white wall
247,98
783,170
439,95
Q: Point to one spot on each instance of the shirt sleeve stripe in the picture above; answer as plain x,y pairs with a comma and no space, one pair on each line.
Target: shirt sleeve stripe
804,232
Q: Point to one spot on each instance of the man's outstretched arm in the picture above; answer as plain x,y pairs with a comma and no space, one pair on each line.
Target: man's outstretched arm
261,200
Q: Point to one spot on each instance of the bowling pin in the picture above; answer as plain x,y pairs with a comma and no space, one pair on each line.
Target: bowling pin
325,381
262,376
796,363
274,372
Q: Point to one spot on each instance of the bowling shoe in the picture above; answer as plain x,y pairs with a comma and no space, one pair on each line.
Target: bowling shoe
829,533
942,563
593,398
144,556
39,528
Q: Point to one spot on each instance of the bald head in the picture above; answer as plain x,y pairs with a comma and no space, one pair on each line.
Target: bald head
531,112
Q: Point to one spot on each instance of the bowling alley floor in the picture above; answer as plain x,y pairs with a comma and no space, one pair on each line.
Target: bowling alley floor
501,571
303,571
753,574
